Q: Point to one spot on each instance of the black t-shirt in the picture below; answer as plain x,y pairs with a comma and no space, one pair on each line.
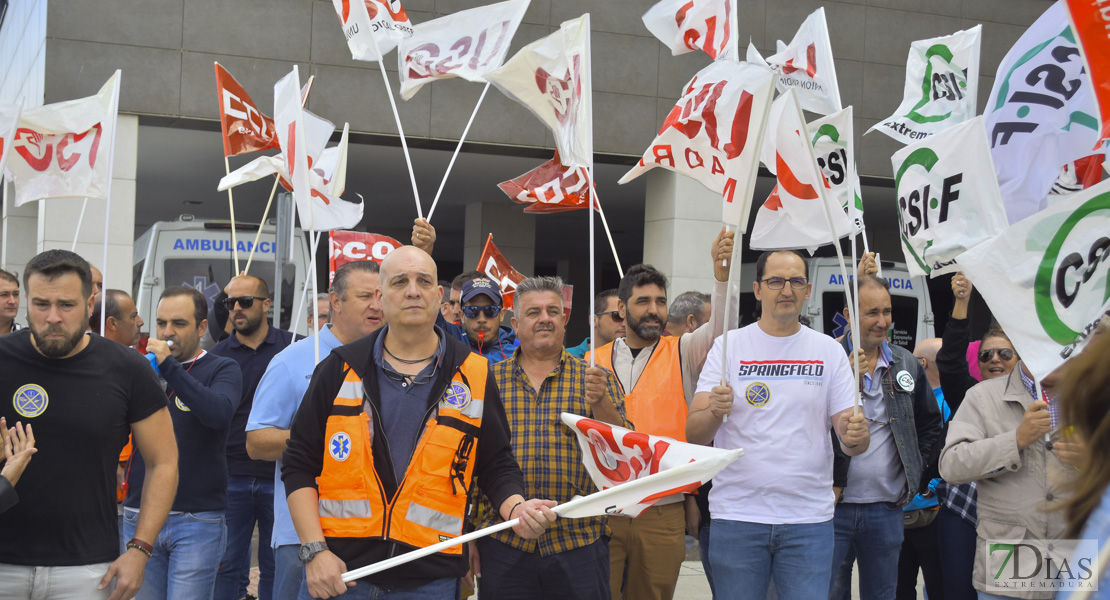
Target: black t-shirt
80,409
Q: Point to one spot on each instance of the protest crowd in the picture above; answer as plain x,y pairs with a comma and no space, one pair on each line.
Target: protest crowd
438,435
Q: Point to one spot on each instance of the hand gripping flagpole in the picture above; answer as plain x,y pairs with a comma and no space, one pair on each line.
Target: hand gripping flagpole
737,246
400,129
458,147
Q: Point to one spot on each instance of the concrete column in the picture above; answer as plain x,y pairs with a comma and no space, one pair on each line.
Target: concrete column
514,233
681,220
57,219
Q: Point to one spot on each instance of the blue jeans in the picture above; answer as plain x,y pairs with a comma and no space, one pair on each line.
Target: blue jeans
957,538
249,500
508,573
439,589
288,572
703,551
873,532
746,556
186,555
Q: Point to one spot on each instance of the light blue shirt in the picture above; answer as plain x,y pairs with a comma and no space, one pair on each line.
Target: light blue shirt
276,400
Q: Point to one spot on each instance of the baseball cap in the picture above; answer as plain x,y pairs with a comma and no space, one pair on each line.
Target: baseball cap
481,285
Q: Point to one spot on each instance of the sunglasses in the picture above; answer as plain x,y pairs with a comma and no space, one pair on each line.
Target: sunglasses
1003,353
244,301
613,314
472,312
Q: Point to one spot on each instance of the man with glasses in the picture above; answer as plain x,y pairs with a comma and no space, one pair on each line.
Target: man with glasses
608,324
253,343
657,374
904,422
773,508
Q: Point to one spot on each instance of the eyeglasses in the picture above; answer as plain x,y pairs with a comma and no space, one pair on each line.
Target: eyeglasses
472,312
988,354
244,301
613,314
778,283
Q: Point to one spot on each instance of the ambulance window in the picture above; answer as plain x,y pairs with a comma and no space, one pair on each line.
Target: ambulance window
904,310
137,277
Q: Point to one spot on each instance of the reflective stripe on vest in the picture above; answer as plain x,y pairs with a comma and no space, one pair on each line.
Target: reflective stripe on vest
657,404
432,498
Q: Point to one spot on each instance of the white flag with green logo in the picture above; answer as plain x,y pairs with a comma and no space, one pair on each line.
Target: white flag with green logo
948,199
942,76
836,156
1047,277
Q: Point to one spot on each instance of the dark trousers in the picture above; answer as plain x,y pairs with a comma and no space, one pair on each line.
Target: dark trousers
957,559
920,550
581,573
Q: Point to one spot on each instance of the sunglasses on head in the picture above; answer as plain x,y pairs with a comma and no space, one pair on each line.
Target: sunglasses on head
490,311
988,354
244,301
613,314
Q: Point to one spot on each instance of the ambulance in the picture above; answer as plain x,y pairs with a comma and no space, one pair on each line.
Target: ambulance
198,253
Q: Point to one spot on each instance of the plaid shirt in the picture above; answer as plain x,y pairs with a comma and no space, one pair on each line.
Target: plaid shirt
960,499
1031,387
548,452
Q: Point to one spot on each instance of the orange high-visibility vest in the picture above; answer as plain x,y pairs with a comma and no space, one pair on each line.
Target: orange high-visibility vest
658,403
431,499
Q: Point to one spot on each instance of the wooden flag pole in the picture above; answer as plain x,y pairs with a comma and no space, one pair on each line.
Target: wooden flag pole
261,224
456,154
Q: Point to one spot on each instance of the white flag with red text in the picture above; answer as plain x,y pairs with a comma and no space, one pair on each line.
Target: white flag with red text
9,122
64,149
792,216
942,79
621,461
372,27
551,77
688,25
300,136
713,134
836,157
466,44
806,65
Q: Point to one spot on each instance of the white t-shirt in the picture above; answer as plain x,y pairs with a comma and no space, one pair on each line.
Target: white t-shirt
785,391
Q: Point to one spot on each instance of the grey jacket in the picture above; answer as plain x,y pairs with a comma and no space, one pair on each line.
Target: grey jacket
914,417
1015,488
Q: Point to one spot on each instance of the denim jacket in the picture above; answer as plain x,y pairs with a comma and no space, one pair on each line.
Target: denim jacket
914,418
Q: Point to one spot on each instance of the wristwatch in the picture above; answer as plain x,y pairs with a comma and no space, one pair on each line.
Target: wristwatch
310,550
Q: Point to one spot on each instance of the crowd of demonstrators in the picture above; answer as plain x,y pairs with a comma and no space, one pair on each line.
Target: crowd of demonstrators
606,323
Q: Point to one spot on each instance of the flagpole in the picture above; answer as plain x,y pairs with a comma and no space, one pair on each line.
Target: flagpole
604,224
4,217
80,219
456,154
315,304
737,246
593,293
108,199
855,302
261,224
231,209
400,129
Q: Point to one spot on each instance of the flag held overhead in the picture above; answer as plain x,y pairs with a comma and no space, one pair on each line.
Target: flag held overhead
494,265
549,188
689,25
806,65
372,27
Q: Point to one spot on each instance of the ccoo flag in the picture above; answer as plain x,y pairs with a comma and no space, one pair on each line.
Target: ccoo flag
688,25
713,134
836,157
942,76
549,188
551,77
466,44
948,198
621,461
353,246
1045,278
372,27
806,65
63,150
792,216
495,266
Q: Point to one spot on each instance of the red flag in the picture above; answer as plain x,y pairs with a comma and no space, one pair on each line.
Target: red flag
245,128
497,267
549,188
351,246
1090,22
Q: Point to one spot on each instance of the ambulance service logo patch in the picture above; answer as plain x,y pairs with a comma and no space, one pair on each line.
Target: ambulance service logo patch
30,400
339,446
457,396
181,405
757,394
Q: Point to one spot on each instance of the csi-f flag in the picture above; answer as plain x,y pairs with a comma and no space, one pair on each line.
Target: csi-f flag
942,76
64,149
620,463
1046,278
689,25
551,77
806,65
792,216
836,157
466,44
948,198
713,134
372,27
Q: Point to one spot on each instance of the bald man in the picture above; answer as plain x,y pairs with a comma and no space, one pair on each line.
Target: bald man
926,353
420,390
